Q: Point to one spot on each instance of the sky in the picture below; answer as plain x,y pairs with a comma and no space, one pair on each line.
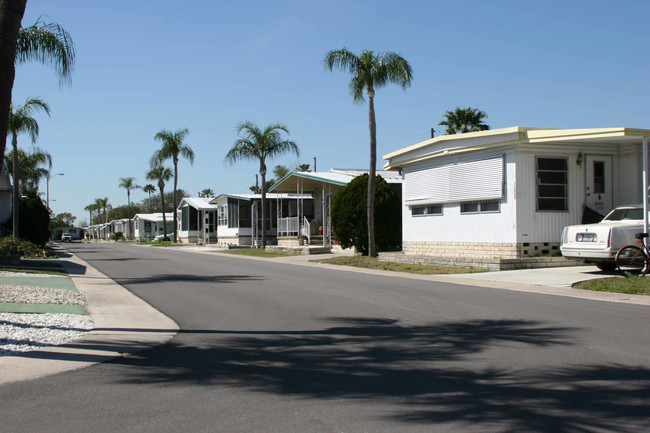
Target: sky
207,65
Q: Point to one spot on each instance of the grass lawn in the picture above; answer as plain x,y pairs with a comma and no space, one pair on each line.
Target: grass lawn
374,263
159,244
257,252
630,286
34,271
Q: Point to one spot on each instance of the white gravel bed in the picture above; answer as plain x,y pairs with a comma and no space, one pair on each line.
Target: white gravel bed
27,274
39,295
24,332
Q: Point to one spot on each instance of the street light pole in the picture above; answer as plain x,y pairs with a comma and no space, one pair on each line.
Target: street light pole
50,176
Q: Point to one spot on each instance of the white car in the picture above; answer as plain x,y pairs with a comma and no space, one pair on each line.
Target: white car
66,237
598,243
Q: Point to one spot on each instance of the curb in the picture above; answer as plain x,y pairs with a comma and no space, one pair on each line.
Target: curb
123,324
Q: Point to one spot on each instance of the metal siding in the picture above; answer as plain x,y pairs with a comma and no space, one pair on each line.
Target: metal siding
546,226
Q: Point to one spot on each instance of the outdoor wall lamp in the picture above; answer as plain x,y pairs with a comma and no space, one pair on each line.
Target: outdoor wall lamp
580,159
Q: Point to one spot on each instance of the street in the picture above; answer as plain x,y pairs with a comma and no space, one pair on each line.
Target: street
271,347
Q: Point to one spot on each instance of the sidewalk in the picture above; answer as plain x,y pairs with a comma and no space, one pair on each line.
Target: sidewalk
123,324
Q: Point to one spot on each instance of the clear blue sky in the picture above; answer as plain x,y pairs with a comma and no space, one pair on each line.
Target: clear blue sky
207,65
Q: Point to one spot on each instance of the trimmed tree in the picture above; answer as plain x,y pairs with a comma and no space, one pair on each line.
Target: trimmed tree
349,215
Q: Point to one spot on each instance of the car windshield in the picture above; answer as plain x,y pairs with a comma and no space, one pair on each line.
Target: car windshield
625,214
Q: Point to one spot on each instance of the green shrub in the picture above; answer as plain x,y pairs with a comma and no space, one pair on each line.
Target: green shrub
10,245
350,216
117,236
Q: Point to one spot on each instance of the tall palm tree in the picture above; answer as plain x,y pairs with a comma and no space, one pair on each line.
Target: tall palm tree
172,148
102,204
21,121
257,144
370,71
463,120
47,43
128,183
162,175
206,193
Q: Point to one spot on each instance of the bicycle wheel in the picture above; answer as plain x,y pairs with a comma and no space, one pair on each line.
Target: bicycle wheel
632,261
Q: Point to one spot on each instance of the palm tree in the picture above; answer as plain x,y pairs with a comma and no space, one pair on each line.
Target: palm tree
257,144
90,208
128,183
149,189
463,120
33,167
206,193
172,148
370,71
21,121
47,43
162,175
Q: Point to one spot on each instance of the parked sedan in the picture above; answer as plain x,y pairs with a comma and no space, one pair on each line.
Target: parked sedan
598,243
66,237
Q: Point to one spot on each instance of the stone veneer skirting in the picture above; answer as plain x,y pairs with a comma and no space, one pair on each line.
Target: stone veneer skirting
494,264
480,250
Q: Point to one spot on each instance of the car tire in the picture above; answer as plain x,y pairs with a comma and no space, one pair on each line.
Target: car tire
606,266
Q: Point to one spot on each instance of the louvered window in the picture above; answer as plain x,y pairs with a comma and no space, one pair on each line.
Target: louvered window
453,183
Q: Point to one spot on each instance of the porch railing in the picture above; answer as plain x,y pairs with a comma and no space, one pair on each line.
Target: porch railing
289,226
306,230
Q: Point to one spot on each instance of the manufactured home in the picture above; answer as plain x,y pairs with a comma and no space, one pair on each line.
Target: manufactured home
314,223
197,222
508,193
146,226
239,216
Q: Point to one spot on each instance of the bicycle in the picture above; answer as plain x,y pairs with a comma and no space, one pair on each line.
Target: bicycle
632,260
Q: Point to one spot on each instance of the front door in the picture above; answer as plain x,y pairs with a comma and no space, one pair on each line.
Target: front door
599,183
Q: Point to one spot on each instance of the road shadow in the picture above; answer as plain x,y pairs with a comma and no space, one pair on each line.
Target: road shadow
73,268
184,278
432,373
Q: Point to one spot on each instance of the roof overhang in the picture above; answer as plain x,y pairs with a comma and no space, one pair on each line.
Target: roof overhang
462,143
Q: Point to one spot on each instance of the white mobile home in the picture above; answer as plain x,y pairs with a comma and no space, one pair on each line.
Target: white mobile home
146,226
508,193
197,222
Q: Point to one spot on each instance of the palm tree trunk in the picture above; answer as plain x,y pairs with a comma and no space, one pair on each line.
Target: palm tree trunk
162,201
16,175
372,251
11,15
128,199
175,203
263,174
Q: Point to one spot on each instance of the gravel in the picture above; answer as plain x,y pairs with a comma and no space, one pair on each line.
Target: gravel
24,332
39,295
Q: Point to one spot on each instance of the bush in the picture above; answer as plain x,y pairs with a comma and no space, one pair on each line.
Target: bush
350,217
10,245
117,236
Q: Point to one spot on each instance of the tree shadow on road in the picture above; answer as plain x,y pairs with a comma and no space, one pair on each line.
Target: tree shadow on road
437,373
185,278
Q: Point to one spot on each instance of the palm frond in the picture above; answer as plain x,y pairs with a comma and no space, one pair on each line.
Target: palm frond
49,44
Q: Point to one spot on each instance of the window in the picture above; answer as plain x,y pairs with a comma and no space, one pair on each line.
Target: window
552,175
222,215
480,207
184,218
599,177
431,209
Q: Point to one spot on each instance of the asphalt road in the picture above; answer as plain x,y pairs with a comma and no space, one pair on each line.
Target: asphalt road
269,347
